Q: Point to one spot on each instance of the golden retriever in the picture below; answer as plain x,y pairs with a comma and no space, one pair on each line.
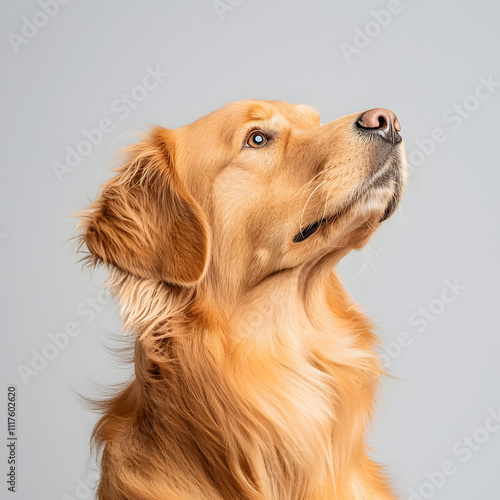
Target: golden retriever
255,374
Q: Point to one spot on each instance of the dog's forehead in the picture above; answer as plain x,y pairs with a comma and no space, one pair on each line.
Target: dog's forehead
299,115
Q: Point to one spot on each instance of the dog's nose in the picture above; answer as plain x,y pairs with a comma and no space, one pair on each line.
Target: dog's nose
381,121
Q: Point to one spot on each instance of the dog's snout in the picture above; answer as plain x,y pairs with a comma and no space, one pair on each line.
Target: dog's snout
381,121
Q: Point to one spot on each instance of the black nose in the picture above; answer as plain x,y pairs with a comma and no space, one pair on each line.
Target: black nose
382,122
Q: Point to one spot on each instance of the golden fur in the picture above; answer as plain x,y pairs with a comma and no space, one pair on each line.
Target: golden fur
255,375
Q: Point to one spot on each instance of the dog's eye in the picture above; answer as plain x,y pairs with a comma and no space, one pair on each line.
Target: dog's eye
256,139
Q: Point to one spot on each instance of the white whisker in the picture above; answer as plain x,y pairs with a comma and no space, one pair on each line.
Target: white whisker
307,201
326,201
304,187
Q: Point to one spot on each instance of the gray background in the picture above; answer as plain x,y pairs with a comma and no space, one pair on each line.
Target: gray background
426,59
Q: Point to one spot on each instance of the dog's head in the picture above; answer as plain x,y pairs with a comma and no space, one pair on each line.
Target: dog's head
249,190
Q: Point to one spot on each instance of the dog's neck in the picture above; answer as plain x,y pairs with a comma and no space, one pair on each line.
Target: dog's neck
277,381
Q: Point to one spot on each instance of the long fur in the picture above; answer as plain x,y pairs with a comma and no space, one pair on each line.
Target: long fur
264,398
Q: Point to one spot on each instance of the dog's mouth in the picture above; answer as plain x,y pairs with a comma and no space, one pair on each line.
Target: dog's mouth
388,177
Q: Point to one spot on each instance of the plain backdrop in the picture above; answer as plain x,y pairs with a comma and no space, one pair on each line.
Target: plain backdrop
429,278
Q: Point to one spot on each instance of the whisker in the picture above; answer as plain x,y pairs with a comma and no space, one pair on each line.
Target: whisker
304,187
326,201
376,254
368,258
307,201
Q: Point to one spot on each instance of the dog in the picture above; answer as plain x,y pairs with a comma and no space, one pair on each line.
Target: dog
255,374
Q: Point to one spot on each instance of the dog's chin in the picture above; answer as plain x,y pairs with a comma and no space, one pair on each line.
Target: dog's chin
390,208
381,201
373,203
374,200
382,194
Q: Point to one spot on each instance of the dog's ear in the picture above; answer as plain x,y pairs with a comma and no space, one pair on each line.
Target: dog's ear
144,220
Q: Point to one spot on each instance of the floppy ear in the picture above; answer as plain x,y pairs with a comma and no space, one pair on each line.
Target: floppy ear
144,221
